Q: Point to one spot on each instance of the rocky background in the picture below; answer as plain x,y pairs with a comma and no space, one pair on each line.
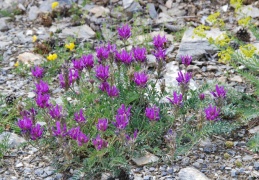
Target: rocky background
210,159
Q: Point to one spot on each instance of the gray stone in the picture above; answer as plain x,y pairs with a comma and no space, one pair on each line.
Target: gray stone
152,10
3,24
13,141
151,60
254,130
148,158
127,3
185,161
164,18
33,13
190,173
176,12
152,169
84,32
146,178
249,11
39,172
236,78
134,7
196,165
247,158
233,172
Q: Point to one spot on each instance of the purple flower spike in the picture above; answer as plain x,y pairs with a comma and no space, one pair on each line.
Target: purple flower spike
202,96
73,76
42,100
131,140
25,124
124,111
79,117
140,54
112,91
212,113
60,130
62,81
140,79
159,41
37,72
183,78
102,72
78,64
102,124
159,54
186,60
102,53
73,132
55,112
220,92
31,113
42,87
124,32
111,48
104,86
124,57
121,122
177,99
152,113
36,132
99,143
88,61
82,138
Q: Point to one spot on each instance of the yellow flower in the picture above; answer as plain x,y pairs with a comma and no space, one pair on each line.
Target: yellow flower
52,57
244,21
70,46
222,40
16,64
236,4
34,38
200,30
54,5
225,55
213,17
248,50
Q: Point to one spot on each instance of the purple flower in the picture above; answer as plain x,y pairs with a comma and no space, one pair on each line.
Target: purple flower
42,87
159,41
88,61
42,100
131,140
177,99
140,54
140,79
183,78
60,130
112,91
102,53
202,96
79,117
220,92
36,132
62,81
25,124
124,111
55,112
186,60
37,72
73,132
124,32
159,54
73,76
152,113
102,124
111,48
212,113
170,136
104,86
102,72
31,113
78,64
99,143
124,57
82,138
121,122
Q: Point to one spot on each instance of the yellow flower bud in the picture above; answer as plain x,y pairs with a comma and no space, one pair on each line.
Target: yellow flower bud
70,46
34,38
16,64
54,5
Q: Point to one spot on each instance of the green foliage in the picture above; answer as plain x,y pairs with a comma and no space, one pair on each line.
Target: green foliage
253,143
4,146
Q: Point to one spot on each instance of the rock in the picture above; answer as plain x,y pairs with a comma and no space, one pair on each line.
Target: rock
256,165
4,44
30,58
190,173
233,173
152,10
247,158
134,7
18,165
13,141
84,32
248,11
205,142
190,43
168,4
185,161
3,24
236,78
33,13
164,18
196,165
99,11
212,68
254,130
146,178
210,149
148,158
127,3
31,95
176,12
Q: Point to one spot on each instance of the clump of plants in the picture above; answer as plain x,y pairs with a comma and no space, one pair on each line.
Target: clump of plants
111,110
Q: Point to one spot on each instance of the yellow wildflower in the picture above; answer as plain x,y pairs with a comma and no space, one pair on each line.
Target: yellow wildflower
54,5
200,30
70,46
225,55
52,57
16,64
248,50
34,38
213,17
244,21
236,4
222,40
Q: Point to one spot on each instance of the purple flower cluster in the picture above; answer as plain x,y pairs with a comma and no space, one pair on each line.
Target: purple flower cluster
219,92
186,60
124,57
152,113
42,100
124,32
37,72
212,113
122,117
78,135
159,41
183,79
102,72
86,61
131,140
140,54
177,99
140,79
79,116
27,127
99,143
102,124
42,87
60,130
112,91
55,112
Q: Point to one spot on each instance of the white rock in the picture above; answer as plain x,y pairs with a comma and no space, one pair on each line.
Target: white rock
168,4
249,10
254,130
190,173
13,141
236,78
148,158
127,3
99,11
33,13
83,31
30,58
31,95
